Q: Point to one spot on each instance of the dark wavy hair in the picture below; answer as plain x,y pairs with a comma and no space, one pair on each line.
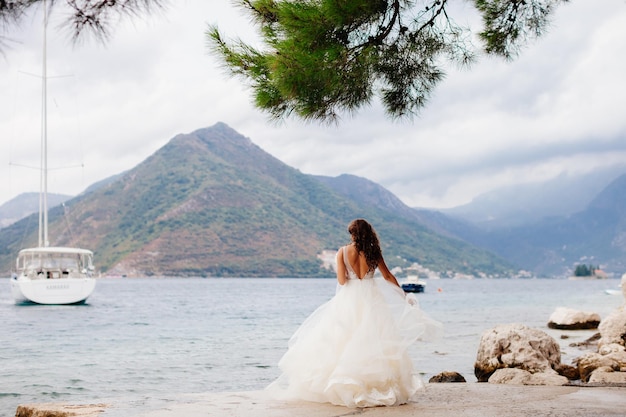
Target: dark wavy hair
366,241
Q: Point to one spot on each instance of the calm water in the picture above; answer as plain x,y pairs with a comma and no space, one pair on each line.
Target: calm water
142,342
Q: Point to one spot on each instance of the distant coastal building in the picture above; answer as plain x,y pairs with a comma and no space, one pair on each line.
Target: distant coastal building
421,271
600,274
329,259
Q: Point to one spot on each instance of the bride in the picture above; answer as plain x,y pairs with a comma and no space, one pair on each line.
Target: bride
353,350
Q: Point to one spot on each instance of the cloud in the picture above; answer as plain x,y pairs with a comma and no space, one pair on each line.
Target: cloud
557,108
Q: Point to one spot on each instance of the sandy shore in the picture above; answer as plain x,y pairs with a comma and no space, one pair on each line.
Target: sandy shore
440,400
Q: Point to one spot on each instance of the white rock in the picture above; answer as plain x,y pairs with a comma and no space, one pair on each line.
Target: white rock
613,328
591,362
570,319
610,348
548,378
515,346
606,375
516,376
512,376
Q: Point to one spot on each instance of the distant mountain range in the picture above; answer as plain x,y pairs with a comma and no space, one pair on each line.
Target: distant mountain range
211,203
552,245
521,204
555,245
25,204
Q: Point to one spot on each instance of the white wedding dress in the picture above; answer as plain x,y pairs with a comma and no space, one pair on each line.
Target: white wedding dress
353,350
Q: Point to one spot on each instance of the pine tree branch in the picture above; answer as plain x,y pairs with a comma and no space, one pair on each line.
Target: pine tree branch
87,16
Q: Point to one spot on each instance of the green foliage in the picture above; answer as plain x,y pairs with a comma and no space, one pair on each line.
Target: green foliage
507,24
93,16
322,57
584,270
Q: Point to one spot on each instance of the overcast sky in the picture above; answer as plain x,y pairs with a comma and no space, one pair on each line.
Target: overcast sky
559,109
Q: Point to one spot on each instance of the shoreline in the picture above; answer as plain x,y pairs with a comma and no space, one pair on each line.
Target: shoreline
436,400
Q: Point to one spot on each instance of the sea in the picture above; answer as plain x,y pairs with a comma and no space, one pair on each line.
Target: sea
141,343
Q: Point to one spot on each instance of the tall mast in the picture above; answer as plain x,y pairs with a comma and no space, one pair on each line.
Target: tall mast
43,179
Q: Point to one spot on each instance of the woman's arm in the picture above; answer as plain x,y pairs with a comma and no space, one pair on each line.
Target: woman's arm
341,267
382,266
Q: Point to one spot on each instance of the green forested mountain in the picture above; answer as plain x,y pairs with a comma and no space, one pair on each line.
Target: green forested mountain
211,203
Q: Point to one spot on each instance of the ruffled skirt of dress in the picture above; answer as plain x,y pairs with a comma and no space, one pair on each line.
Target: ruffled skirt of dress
353,350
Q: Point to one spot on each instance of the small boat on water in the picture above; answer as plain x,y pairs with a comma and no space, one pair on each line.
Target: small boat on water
413,284
47,274
619,290
53,275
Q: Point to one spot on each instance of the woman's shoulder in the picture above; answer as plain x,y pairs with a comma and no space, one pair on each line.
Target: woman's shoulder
347,248
342,252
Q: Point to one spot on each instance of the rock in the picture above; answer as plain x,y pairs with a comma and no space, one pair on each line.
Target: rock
513,376
588,363
569,319
548,378
591,361
608,364
59,410
613,328
516,376
570,372
607,376
447,377
612,348
515,346
620,358
586,344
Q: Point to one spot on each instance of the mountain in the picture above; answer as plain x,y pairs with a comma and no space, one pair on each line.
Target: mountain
212,203
554,245
26,204
551,246
434,247
521,204
367,193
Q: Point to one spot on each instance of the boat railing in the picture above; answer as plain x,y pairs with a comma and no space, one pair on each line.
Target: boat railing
52,273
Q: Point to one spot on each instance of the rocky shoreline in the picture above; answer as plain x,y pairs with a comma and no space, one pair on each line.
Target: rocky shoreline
517,354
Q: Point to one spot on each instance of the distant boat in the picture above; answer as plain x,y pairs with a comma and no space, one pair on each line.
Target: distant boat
45,274
616,291
413,284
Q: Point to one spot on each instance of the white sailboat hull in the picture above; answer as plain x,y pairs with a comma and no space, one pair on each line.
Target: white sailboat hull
52,291
53,275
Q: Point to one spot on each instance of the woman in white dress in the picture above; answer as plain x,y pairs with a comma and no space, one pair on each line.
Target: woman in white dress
353,350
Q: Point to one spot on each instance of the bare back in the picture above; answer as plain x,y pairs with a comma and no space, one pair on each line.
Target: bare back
357,261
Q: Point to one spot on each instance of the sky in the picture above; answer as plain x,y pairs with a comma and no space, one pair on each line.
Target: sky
558,109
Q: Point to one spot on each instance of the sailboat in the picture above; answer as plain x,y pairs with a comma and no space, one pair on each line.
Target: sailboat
48,274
